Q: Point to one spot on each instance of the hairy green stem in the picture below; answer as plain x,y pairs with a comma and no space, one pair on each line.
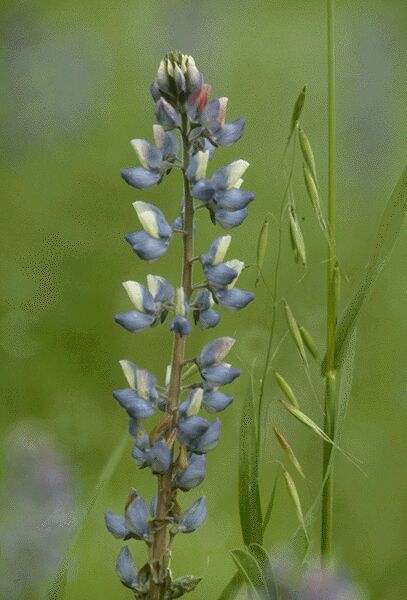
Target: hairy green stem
166,496
332,301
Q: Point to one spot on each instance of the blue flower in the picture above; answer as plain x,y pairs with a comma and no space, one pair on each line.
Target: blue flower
126,569
156,159
180,323
214,352
159,457
193,474
151,303
221,374
213,126
116,525
141,398
153,242
204,315
137,517
222,195
193,518
215,401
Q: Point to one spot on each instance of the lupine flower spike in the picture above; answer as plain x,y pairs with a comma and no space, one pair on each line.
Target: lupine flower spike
189,128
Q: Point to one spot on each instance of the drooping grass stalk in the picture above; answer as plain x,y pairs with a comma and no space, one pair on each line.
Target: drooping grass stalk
332,300
165,494
274,292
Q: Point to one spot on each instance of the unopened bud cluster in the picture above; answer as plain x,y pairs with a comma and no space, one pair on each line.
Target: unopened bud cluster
189,128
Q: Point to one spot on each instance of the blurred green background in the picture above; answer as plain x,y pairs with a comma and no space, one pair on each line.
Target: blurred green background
74,91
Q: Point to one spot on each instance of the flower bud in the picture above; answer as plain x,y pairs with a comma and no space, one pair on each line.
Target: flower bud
126,569
116,525
215,351
137,517
193,517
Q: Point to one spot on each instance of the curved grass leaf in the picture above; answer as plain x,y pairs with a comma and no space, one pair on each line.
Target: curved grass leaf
233,587
249,495
251,571
57,586
270,506
389,229
263,560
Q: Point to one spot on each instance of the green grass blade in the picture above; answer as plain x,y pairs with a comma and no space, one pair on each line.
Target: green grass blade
270,506
251,571
249,495
232,589
389,229
263,560
57,586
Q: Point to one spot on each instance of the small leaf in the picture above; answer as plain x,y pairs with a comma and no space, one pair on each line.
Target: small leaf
249,495
295,332
289,451
296,500
261,248
250,569
182,585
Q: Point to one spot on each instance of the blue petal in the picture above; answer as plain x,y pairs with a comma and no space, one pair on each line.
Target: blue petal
170,146
140,456
228,219
193,517
137,517
203,190
220,374
126,569
145,246
209,439
234,298
166,114
215,401
134,320
233,199
116,525
220,275
207,146
181,325
194,473
230,133
191,428
208,318
140,178
136,407
163,290
215,351
159,458
203,301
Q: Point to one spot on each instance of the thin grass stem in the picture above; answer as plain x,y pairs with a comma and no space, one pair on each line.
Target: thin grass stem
332,301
